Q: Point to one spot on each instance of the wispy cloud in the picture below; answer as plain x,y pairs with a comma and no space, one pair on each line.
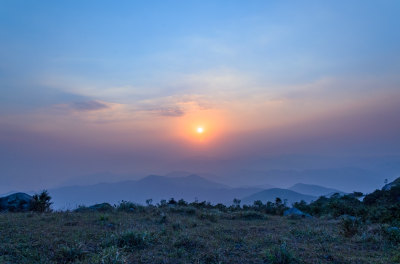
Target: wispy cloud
172,111
89,106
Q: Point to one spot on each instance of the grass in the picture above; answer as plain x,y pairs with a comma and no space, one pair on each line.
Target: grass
189,235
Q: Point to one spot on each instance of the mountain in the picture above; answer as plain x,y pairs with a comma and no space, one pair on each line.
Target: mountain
272,194
156,187
314,190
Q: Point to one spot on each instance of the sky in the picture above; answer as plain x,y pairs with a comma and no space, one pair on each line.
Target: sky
88,87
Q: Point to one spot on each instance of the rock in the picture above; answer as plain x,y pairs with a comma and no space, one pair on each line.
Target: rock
295,212
393,233
389,186
16,202
102,207
348,217
393,229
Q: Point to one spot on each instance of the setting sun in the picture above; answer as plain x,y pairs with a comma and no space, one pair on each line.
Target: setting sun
200,130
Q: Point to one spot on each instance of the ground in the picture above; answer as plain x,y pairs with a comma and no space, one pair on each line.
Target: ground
186,235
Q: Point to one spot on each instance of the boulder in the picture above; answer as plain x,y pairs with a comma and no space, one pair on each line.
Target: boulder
389,186
348,217
102,207
294,212
16,202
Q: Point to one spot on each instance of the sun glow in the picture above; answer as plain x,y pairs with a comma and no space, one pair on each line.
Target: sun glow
200,128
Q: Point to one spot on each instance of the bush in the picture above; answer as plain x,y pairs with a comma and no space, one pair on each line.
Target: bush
41,202
212,217
188,243
183,210
132,240
280,255
182,202
112,255
130,207
350,226
393,234
67,254
247,215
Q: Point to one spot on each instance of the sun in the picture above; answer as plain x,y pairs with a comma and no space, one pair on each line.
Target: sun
200,130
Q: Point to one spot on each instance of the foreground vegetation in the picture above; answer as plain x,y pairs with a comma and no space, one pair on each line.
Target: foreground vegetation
381,206
177,232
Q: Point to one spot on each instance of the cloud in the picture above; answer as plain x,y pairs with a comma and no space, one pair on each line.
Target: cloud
174,105
169,111
89,106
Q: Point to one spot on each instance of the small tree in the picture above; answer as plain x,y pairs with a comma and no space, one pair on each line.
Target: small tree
172,201
162,203
41,202
182,202
236,202
258,205
149,202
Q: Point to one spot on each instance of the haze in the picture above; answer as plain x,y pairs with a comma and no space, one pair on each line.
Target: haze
285,92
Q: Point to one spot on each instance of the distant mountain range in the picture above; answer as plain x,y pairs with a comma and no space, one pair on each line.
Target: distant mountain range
271,194
314,190
189,188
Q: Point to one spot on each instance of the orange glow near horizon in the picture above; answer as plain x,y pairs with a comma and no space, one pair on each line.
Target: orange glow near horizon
201,127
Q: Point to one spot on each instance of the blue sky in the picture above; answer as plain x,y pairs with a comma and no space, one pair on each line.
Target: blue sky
135,75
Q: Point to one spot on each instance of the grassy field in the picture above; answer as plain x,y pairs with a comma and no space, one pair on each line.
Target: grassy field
187,235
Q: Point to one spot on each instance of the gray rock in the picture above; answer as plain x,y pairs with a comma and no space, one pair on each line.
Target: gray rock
348,217
389,186
295,212
393,229
16,202
102,207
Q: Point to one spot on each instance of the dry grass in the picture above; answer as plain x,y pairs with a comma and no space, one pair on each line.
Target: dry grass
165,235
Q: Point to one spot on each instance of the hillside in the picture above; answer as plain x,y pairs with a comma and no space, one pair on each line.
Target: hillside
175,235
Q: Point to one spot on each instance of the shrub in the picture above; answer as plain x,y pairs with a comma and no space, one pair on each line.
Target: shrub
236,203
163,219
188,243
393,234
350,226
183,210
41,202
112,255
182,202
162,203
212,217
280,255
67,254
172,201
203,204
149,202
247,215
132,240
130,207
